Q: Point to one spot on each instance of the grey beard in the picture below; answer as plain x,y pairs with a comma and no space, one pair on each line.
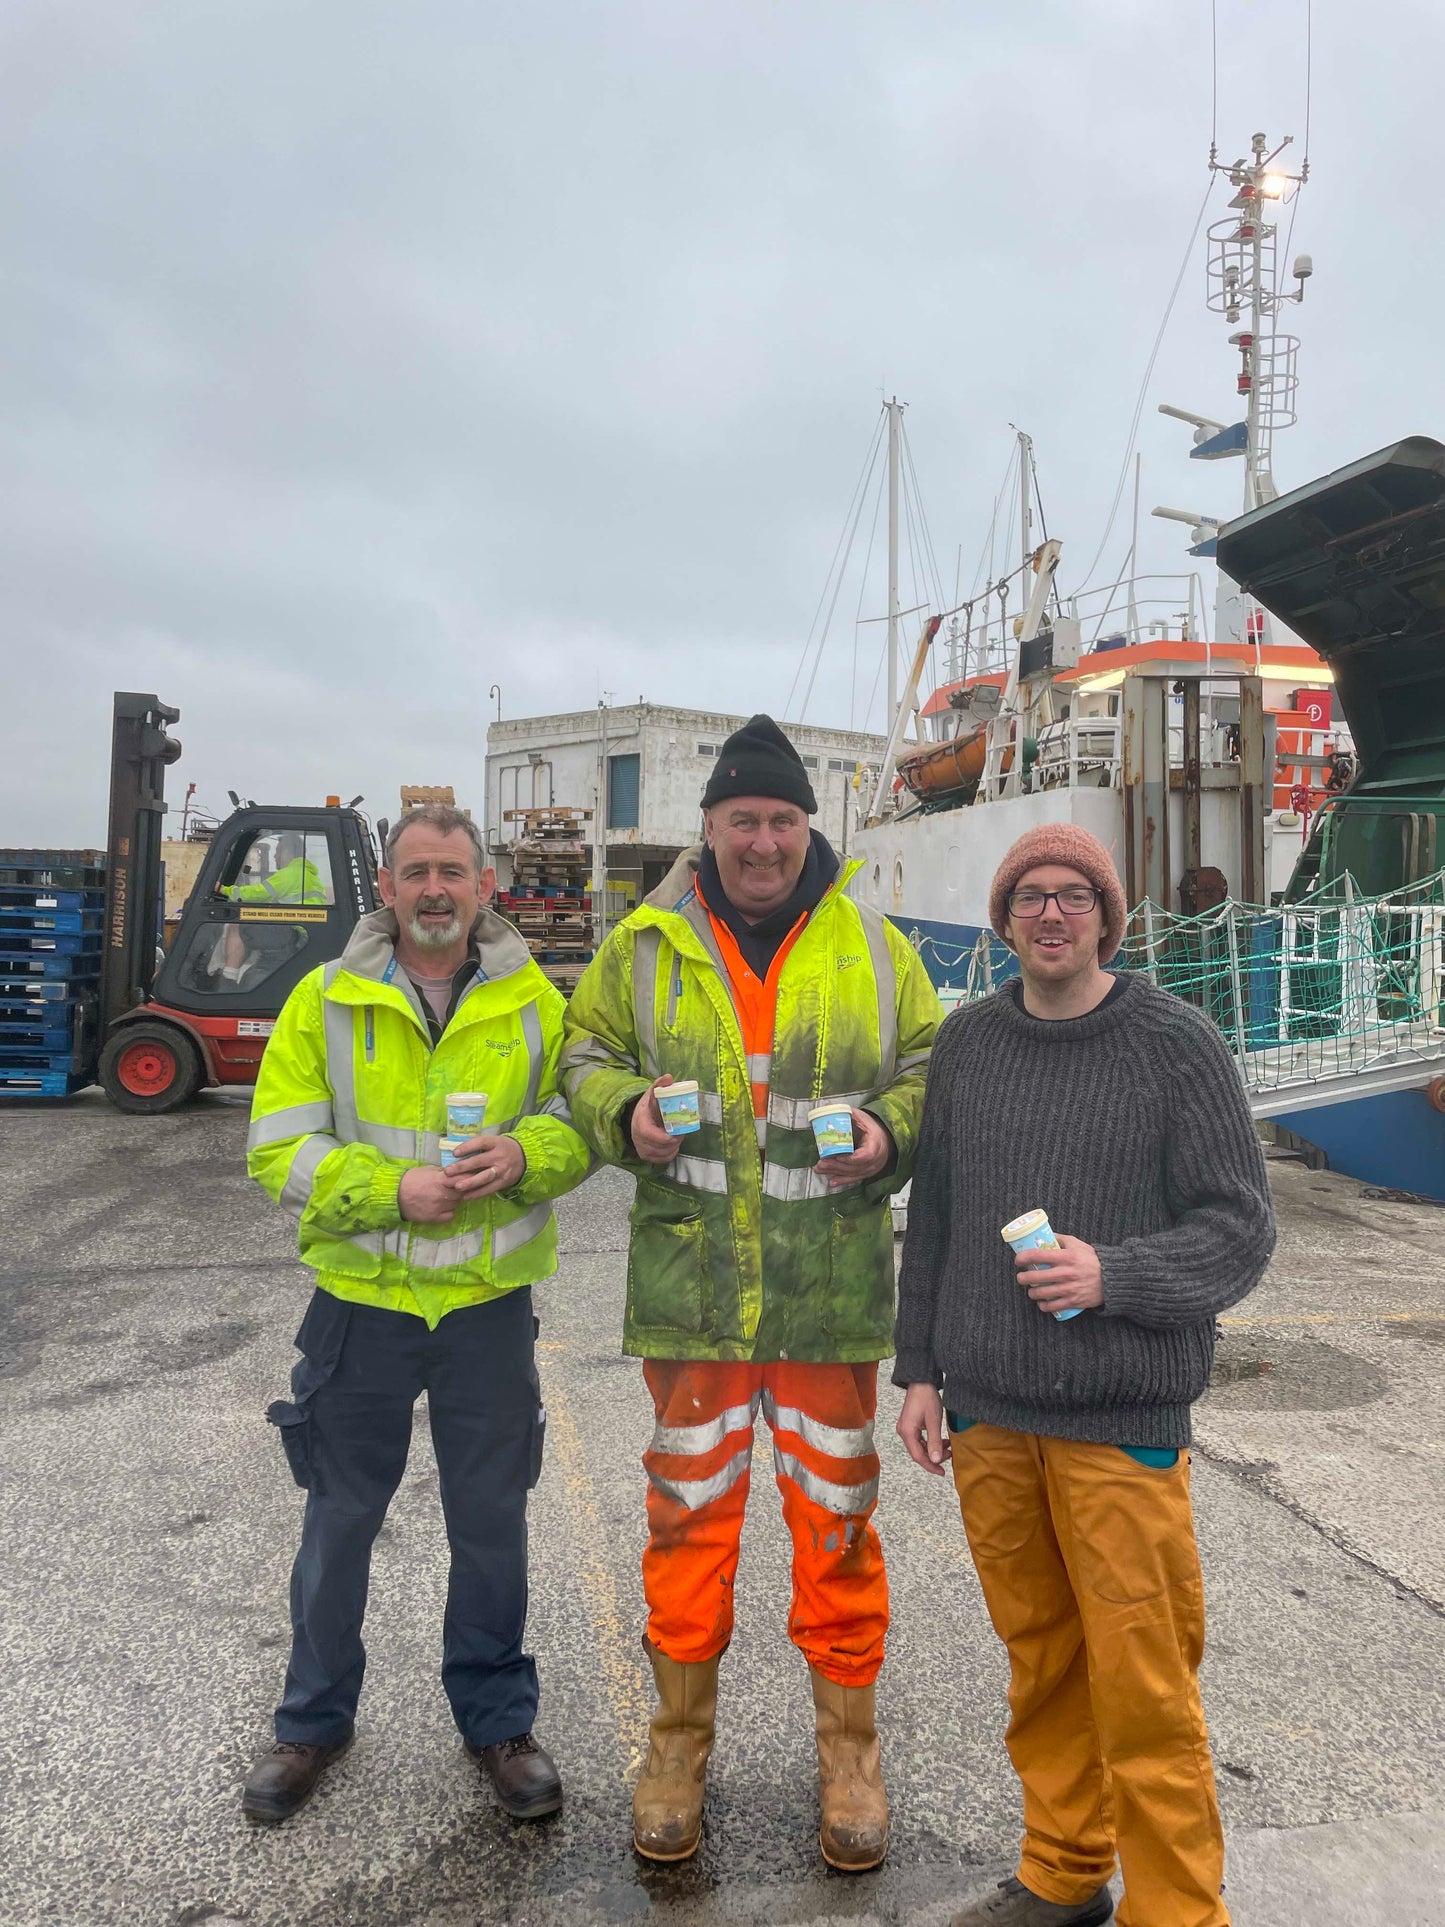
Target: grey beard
426,937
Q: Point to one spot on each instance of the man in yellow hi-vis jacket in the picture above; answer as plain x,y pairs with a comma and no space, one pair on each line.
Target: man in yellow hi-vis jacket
423,1277
760,1275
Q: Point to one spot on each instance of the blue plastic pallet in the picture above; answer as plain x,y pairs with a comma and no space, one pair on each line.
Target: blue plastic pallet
64,869
45,897
36,1037
35,943
39,993
43,1083
19,1060
20,972
41,921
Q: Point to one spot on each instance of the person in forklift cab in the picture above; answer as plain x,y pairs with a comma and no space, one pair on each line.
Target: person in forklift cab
294,879
423,1284
245,957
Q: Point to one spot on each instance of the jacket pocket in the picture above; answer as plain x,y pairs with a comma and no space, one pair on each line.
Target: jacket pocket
860,1265
320,1341
666,1261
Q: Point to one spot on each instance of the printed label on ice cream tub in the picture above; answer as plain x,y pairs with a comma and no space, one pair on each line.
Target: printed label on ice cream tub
465,1112
679,1106
1033,1232
832,1129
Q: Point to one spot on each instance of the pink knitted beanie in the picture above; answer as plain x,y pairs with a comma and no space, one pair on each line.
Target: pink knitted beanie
1081,851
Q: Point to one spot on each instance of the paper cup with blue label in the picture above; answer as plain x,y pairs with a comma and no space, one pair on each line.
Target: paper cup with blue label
451,1149
679,1106
465,1112
832,1129
1033,1232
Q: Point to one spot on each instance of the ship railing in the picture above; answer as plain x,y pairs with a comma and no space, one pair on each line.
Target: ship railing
1309,994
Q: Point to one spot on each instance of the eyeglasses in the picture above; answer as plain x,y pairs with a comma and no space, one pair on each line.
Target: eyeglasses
1074,900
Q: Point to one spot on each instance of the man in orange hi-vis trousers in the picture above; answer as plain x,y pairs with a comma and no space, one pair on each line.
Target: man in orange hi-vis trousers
760,1276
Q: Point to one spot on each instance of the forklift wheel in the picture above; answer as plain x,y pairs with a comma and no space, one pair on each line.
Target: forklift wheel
149,1068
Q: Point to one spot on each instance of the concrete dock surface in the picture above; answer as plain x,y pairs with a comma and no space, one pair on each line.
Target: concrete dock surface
148,1299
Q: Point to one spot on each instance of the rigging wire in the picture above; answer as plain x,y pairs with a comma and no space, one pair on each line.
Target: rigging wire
862,591
1214,88
842,549
832,606
1144,389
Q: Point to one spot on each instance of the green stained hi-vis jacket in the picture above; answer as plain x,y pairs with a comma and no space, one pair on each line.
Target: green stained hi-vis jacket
351,1095
740,1249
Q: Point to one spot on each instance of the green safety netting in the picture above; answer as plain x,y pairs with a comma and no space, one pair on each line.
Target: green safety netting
1303,992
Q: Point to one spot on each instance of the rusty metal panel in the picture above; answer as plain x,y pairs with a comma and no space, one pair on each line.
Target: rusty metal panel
1252,791
1144,712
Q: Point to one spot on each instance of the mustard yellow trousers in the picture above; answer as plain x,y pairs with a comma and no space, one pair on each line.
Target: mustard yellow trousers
1091,1576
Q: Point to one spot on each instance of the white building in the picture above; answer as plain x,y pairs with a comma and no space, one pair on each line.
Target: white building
649,764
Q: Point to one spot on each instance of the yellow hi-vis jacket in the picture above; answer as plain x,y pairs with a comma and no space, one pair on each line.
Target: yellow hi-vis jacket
351,1095
740,1249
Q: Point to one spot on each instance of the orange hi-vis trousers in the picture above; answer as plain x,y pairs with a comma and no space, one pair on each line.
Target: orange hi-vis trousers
1091,1576
699,1468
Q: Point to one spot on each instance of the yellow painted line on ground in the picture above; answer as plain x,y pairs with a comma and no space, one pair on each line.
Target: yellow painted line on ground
1339,1318
619,1649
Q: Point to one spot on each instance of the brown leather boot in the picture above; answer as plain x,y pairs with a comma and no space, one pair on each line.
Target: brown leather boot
667,1806
284,1777
854,1830
524,1776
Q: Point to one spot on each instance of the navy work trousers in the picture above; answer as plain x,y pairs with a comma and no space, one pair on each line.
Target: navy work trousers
347,1429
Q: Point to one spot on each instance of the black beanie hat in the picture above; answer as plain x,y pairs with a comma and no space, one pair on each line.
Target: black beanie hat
758,760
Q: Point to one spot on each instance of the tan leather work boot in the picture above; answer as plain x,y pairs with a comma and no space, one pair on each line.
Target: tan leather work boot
667,1806
854,1832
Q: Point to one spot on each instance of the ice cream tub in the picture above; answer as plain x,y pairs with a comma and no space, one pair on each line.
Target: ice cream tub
465,1112
679,1106
451,1148
832,1129
1033,1232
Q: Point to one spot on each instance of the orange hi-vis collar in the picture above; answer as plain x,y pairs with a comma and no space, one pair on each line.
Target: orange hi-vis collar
756,1000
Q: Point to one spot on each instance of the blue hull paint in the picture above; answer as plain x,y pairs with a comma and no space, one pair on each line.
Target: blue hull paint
947,956
1396,1140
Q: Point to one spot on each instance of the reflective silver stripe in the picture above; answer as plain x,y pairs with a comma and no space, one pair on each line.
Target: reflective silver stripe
691,1441
395,1141
793,1184
709,1107
760,1067
696,1493
434,1254
297,1120
583,1056
554,1107
856,1442
508,1238
845,1500
760,1127
428,1146
296,1192
791,1113
886,980
700,1174
915,1060
536,1055
644,998
340,1029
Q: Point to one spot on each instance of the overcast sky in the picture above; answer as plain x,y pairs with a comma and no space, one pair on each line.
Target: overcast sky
358,356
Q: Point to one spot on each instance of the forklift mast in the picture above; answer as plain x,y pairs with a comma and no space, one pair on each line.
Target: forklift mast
140,753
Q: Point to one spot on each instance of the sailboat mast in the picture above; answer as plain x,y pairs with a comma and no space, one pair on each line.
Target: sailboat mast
894,412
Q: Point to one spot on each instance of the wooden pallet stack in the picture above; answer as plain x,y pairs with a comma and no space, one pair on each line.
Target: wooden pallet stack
550,899
52,916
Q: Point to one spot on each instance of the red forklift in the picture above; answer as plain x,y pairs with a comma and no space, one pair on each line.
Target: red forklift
279,891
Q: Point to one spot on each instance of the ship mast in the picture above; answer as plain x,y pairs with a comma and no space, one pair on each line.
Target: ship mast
894,411
1244,286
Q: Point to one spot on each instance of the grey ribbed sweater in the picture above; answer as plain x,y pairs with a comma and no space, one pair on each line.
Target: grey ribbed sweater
1130,1128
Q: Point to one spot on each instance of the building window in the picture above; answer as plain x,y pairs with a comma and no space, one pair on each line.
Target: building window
808,762
708,749
624,780
840,763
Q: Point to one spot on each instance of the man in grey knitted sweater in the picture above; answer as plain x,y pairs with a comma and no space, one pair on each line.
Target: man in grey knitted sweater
1069,1372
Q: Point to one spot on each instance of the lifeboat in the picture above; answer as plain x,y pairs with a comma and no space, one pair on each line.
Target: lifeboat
944,769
